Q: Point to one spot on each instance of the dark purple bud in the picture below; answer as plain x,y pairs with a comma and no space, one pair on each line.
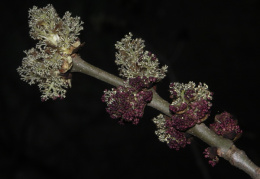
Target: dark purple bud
226,126
211,154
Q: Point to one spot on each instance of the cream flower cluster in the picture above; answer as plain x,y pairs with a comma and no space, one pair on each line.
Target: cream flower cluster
134,61
49,63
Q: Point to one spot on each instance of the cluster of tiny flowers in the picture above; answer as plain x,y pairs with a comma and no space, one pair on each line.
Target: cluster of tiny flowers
134,61
174,138
126,102
226,126
43,69
211,154
141,82
191,104
141,71
51,30
49,63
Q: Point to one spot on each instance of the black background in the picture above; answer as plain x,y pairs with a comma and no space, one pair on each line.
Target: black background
215,42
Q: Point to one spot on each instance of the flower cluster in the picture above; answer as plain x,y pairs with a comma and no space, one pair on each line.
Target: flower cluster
43,69
211,154
135,62
226,126
167,133
191,104
141,71
49,63
51,30
126,102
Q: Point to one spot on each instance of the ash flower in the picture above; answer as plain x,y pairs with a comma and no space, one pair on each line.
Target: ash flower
49,63
140,83
168,133
44,69
190,104
226,126
51,30
134,61
211,154
126,103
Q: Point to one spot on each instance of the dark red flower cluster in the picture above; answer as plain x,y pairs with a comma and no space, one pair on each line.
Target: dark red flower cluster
191,104
126,102
140,83
174,138
226,126
211,154
177,138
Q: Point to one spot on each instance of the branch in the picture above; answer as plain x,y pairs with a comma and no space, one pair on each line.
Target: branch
226,148
82,66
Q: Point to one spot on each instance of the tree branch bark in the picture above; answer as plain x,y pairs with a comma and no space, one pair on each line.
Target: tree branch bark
226,148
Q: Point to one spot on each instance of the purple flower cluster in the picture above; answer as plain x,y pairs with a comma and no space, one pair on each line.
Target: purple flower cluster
140,83
177,138
226,126
191,104
211,154
126,102
174,138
